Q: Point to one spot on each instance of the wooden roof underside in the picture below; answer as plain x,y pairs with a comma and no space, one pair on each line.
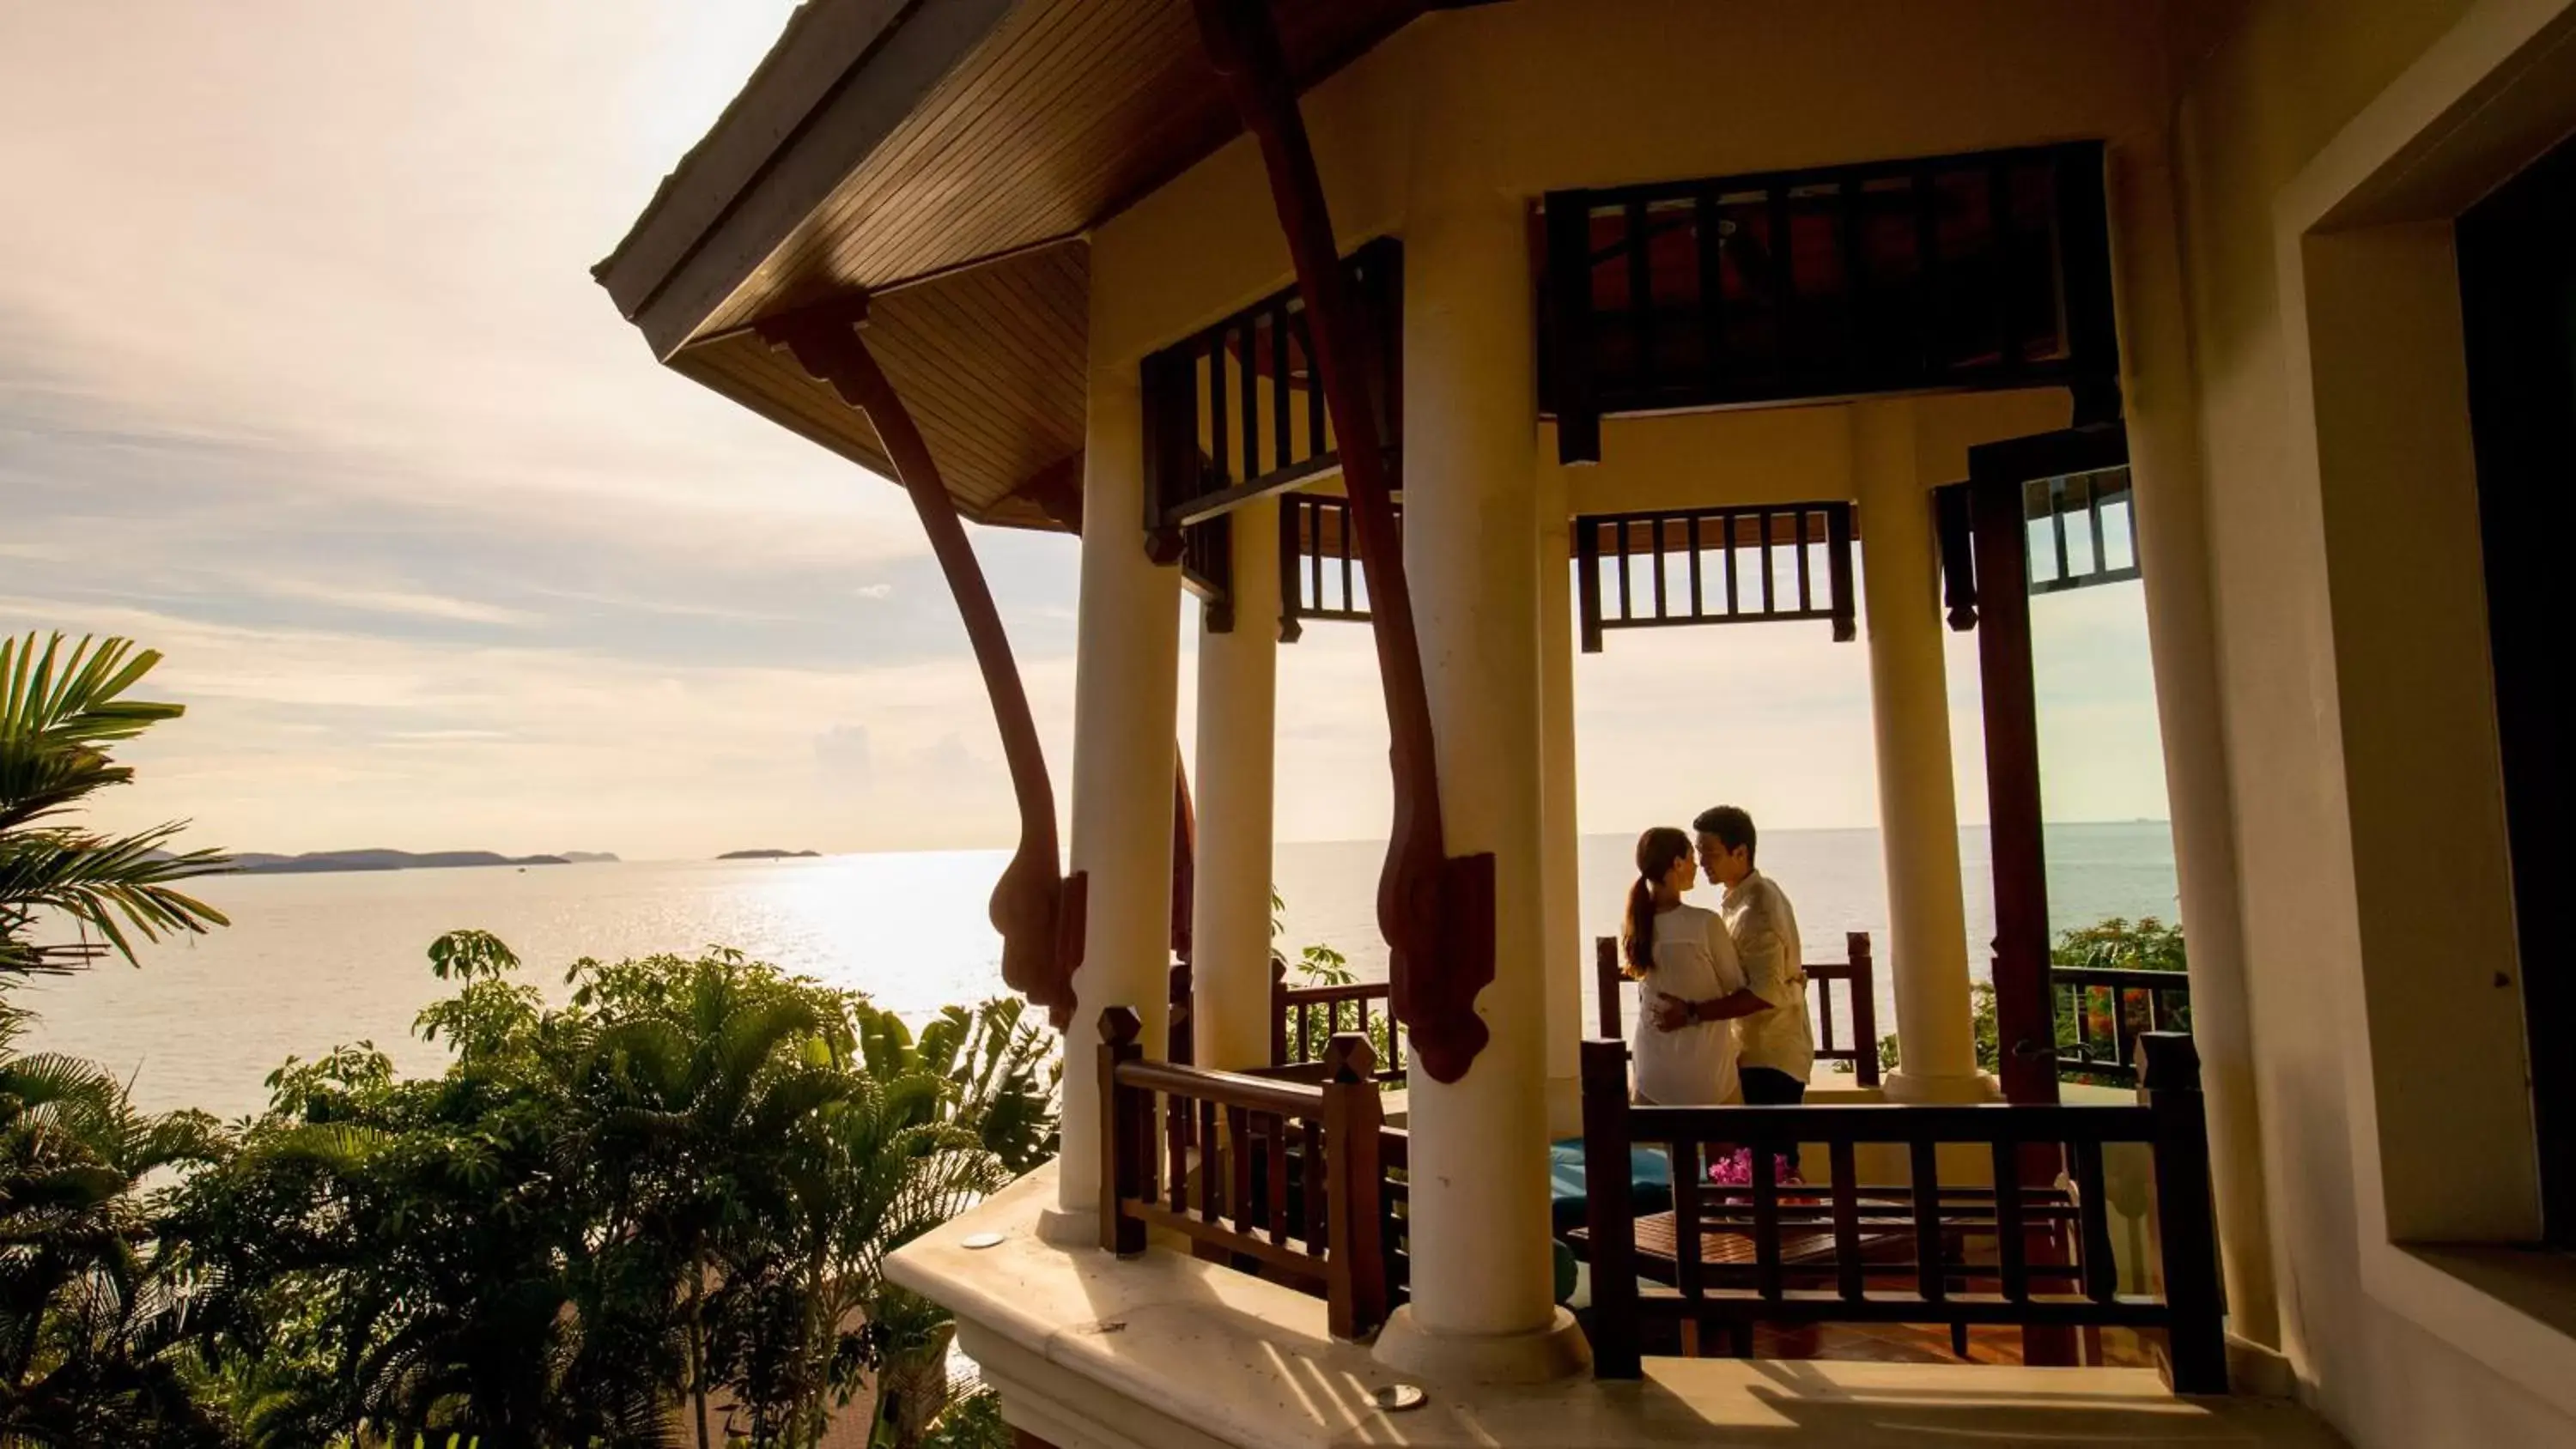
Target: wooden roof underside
950,168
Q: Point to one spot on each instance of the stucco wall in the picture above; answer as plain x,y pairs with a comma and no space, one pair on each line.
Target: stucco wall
2256,112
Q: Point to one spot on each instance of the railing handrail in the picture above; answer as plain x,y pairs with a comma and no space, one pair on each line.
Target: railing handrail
1345,991
2126,978
1225,1089
1894,1122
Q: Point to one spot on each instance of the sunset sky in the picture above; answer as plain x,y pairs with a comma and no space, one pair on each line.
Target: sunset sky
304,382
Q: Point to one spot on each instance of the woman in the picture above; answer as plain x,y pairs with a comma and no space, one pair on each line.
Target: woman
1684,963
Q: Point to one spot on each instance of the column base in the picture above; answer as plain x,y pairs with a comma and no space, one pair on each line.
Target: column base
1062,1227
1918,1088
1555,1352
2260,1369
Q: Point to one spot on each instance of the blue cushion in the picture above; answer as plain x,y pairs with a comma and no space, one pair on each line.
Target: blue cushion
1650,1181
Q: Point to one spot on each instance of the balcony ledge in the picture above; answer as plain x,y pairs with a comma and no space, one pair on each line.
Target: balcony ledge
1090,1352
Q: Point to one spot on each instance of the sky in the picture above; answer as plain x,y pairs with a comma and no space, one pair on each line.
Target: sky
304,383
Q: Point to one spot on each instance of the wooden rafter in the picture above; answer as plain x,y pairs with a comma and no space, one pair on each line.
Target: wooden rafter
1436,913
1037,910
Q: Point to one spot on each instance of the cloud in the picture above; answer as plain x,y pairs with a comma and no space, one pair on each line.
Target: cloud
392,601
843,756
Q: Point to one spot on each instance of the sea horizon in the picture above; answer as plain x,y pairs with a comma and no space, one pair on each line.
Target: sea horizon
321,959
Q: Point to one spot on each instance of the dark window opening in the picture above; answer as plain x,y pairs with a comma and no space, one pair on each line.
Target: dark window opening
2517,259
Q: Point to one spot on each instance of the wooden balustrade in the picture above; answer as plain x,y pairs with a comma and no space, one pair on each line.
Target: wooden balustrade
1305,1019
1279,1177
1816,1251
2141,1002
1857,975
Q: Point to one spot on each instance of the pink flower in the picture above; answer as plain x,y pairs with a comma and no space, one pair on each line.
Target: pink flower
1736,1170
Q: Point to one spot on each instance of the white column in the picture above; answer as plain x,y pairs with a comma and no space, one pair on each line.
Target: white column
2182,642
1918,813
1560,864
1125,687
1230,907
1481,1270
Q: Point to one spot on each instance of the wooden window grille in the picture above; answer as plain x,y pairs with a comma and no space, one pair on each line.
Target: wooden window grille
1234,413
2083,531
1319,568
1986,270
1772,564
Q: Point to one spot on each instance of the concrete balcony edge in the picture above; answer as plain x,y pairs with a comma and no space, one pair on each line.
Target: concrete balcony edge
1091,1352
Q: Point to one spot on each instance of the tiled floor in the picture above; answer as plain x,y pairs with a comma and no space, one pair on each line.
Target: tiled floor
1917,1343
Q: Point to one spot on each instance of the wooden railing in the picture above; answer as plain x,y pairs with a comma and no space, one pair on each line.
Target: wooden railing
1860,993
1280,1177
2140,1001
1810,1247
1305,1019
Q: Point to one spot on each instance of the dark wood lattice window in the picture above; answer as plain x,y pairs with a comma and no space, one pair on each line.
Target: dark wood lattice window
1234,415
1987,270
1774,564
2083,531
2080,525
1319,569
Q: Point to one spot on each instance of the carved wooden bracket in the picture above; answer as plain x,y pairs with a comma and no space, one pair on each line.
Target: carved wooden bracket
1437,913
1033,904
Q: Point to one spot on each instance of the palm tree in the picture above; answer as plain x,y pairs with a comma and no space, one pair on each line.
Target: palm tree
58,714
90,1351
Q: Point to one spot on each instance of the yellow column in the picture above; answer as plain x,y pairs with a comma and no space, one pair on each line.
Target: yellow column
1482,1307
1560,868
1918,813
1230,908
1125,687
2182,642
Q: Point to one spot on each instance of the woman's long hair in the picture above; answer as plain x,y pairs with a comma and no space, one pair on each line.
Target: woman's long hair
1657,851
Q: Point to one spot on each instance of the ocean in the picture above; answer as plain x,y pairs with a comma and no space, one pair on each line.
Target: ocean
315,961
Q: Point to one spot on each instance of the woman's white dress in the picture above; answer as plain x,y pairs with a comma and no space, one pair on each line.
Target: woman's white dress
1694,961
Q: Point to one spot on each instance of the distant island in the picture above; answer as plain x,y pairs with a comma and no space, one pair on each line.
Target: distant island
251,862
588,857
770,855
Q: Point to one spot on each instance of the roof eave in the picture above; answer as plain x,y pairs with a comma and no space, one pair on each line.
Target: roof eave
842,76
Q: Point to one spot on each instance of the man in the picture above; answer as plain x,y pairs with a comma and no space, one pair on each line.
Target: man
1777,1045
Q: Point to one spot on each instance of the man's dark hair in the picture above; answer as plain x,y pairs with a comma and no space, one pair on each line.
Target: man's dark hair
1730,825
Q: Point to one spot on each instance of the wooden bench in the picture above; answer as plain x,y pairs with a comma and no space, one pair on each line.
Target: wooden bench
1856,974
2053,1262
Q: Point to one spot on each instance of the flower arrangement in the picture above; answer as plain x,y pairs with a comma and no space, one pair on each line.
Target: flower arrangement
1736,1170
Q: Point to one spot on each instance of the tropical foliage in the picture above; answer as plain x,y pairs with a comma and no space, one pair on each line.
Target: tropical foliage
60,712
90,1349
2146,944
675,1193
657,1214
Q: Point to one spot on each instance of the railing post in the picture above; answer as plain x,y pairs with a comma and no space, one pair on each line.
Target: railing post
1181,1038
2169,1076
1605,968
1123,1138
1864,1007
1355,1261
1278,1012
1609,1210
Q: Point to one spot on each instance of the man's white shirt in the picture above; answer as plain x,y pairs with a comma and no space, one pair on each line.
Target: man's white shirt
1765,930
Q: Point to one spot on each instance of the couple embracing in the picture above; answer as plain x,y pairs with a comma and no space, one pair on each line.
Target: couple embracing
1722,995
